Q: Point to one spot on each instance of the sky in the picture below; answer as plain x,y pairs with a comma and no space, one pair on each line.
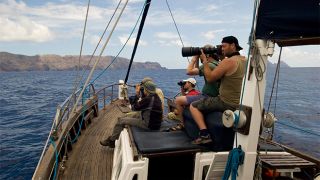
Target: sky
32,27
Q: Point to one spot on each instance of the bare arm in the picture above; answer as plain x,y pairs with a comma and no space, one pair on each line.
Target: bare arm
217,73
193,67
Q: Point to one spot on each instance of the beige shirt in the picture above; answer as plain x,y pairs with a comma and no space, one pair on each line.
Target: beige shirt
230,87
161,96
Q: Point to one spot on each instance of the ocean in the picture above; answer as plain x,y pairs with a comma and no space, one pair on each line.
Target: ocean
28,101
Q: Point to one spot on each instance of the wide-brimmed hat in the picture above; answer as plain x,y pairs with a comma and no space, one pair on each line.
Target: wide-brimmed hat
146,79
230,40
150,87
191,80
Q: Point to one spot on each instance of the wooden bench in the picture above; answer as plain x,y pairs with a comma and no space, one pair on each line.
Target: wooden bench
285,163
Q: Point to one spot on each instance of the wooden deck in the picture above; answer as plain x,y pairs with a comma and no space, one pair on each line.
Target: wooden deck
88,159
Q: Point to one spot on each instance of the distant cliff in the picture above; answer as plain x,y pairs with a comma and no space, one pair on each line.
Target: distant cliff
16,62
274,65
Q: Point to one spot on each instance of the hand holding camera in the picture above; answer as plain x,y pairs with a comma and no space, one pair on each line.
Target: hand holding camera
138,87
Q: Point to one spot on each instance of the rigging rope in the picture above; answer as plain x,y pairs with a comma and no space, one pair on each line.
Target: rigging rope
96,63
101,37
56,159
276,74
236,156
77,82
294,127
100,74
80,54
177,29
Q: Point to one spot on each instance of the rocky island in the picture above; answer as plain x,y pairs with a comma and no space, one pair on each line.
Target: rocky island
16,62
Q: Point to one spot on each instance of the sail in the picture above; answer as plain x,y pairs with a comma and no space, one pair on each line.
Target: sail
289,22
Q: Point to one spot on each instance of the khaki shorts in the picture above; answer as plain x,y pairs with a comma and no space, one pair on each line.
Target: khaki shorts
211,104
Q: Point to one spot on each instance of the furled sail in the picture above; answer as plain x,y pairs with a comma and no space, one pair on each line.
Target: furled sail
289,22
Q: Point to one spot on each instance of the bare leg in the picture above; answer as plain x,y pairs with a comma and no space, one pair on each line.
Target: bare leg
198,117
180,101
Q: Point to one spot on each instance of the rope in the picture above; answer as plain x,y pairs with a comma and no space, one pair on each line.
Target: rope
82,40
274,79
96,63
251,37
84,97
236,119
105,30
100,74
235,158
294,127
177,29
56,159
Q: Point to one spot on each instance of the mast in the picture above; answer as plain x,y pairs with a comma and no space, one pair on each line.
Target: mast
144,15
253,96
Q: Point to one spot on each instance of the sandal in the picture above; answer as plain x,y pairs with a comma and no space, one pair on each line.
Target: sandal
177,127
202,140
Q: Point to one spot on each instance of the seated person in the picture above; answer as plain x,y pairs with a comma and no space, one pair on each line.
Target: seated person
150,113
158,90
210,89
231,71
187,89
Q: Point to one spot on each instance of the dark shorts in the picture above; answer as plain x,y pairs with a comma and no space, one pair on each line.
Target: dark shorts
191,99
211,104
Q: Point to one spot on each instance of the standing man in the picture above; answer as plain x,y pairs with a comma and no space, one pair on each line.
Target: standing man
231,71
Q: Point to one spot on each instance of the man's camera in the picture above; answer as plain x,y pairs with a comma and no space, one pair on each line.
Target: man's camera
192,51
181,83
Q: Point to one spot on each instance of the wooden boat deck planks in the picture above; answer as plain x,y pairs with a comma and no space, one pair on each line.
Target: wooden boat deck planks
88,159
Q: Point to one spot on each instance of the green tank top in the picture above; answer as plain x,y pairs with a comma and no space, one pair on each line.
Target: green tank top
210,89
230,88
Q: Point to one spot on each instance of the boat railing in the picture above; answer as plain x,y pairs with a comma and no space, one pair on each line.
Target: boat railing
108,93
64,109
63,113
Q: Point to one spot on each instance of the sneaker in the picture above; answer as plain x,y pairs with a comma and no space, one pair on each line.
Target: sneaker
108,142
202,140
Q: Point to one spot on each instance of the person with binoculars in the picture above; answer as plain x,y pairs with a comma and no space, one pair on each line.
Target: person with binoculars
147,112
209,89
187,87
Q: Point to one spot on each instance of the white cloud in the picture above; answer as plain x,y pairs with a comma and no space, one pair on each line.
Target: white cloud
167,35
210,7
169,39
131,41
93,39
182,17
210,35
23,29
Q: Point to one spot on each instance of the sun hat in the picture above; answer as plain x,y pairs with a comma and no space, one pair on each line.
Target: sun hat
191,80
146,79
230,40
150,87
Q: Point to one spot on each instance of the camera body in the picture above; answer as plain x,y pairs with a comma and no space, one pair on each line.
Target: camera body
181,83
192,51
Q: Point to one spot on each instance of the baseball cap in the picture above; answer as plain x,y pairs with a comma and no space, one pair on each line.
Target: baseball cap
191,80
230,40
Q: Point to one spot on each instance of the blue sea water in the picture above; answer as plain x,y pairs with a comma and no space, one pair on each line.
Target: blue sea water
28,101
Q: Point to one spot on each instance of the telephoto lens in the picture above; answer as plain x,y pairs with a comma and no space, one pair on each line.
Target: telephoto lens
192,51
